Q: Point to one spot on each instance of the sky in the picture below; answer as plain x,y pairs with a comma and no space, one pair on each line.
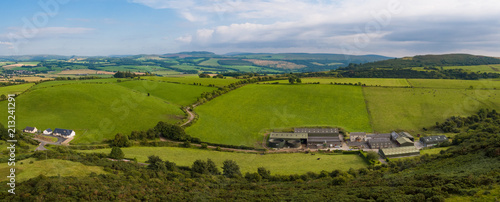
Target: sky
394,28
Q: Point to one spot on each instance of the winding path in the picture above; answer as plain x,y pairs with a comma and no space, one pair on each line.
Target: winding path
191,115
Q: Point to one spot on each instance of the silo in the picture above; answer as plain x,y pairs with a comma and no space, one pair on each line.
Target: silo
293,143
276,143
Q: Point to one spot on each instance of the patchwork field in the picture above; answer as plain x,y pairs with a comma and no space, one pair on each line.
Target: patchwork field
84,71
211,62
414,108
94,111
494,68
296,163
50,167
241,117
15,89
178,94
196,79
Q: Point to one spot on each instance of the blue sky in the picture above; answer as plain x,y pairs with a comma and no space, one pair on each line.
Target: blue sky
115,27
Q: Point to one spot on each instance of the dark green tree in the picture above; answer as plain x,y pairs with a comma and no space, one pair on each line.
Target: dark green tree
155,163
116,153
266,174
121,141
200,166
212,168
170,131
231,169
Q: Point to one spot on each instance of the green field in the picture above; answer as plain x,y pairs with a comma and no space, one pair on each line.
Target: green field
494,68
94,111
212,62
178,94
196,79
241,117
66,82
414,108
252,69
50,167
276,163
457,84
138,68
15,89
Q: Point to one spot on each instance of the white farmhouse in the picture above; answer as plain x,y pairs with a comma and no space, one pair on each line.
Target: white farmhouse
30,130
64,133
47,131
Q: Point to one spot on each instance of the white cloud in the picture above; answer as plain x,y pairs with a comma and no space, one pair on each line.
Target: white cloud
185,39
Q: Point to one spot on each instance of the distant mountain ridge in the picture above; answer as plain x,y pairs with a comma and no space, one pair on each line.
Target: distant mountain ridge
431,61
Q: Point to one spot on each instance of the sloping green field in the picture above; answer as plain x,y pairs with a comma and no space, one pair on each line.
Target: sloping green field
178,94
15,89
414,108
240,117
457,84
94,111
295,163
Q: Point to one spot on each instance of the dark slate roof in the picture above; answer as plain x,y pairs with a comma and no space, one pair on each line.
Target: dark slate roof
380,136
434,139
48,130
29,128
316,130
379,140
63,132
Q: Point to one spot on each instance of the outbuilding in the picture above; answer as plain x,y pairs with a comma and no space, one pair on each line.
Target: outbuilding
399,152
318,131
47,131
30,130
433,140
404,141
379,143
64,133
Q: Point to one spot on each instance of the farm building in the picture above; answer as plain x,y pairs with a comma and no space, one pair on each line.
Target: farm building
358,137
398,152
433,140
318,131
394,135
331,140
30,130
278,140
378,143
47,131
64,133
407,135
378,136
404,141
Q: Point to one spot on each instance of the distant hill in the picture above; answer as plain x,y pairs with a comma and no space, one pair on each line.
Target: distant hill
431,61
34,57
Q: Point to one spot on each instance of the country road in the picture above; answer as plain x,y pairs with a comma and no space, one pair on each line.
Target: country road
191,116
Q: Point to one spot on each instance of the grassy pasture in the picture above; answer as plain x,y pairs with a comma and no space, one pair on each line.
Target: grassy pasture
452,83
94,111
414,108
277,163
196,79
66,82
49,167
240,117
178,94
15,89
494,68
